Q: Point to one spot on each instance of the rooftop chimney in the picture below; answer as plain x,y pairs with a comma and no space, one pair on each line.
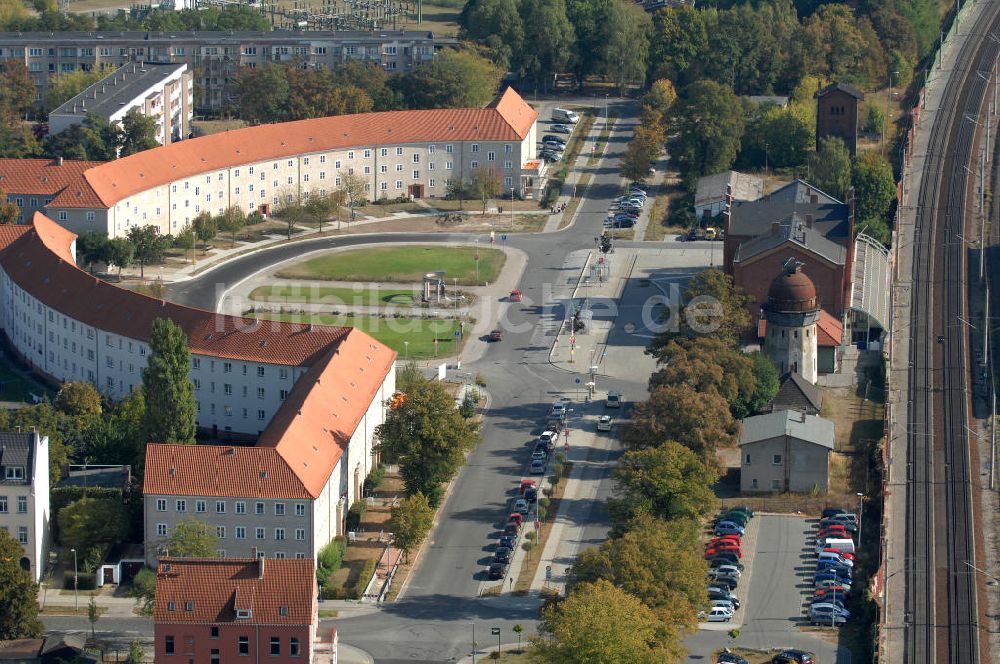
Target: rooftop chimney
813,198
260,567
809,221
775,227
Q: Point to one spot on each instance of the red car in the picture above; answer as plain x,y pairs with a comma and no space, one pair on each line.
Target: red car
841,592
496,335
733,539
527,484
723,548
843,554
516,517
515,296
834,533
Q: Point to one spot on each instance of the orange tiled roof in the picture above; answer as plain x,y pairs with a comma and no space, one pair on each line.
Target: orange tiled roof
507,119
65,183
315,423
41,263
216,587
10,232
219,470
829,330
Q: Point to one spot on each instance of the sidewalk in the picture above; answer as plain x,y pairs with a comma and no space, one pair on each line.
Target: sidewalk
117,607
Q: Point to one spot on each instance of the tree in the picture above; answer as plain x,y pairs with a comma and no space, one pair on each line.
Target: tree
497,25
118,437
660,97
426,435
321,207
548,39
90,247
874,186
484,183
80,401
19,599
119,252
456,79
701,421
144,590
874,120
777,138
17,91
232,221
63,87
678,37
601,623
830,167
625,47
9,212
17,141
352,186
91,522
410,521
93,615
668,482
766,385
93,139
707,124
138,133
192,538
135,653
711,305
457,189
148,245
205,227
659,563
293,213
706,363
262,94
171,408
644,148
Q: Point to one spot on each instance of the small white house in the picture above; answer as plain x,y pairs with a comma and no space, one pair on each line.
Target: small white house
710,197
24,495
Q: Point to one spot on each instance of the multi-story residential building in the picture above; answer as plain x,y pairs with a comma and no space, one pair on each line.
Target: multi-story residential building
160,91
33,184
396,153
24,495
215,57
211,610
312,395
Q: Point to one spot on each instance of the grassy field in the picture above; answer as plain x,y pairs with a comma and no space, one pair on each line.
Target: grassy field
15,388
420,333
402,264
372,297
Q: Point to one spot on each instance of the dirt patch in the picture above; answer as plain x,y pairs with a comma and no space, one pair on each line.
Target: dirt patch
358,553
857,421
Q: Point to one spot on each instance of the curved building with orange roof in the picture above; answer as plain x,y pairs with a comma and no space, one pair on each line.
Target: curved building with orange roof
310,396
396,153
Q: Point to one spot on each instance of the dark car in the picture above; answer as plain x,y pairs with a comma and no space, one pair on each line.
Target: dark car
531,495
507,541
720,593
623,223
726,582
511,529
497,571
496,335
502,555
833,511
715,562
730,658
792,656
550,138
725,558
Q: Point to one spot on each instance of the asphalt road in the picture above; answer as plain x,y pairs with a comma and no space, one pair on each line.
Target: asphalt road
433,621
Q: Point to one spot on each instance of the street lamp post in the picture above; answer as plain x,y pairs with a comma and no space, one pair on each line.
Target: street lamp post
406,350
512,207
473,643
477,261
861,513
496,632
76,584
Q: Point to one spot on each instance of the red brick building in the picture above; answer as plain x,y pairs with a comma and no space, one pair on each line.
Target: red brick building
837,114
215,610
800,221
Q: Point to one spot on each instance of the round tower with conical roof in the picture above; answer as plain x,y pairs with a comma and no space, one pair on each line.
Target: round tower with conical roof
792,311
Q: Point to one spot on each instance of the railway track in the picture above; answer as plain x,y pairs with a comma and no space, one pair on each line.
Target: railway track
942,616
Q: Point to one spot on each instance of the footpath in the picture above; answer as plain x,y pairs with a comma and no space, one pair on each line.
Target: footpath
896,564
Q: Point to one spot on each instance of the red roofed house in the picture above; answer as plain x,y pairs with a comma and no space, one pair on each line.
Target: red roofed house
213,610
36,184
310,395
397,153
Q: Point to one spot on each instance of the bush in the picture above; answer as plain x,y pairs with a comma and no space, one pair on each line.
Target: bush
354,515
330,558
85,581
374,479
367,571
468,407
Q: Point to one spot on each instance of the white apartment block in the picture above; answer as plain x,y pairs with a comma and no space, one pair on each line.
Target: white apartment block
215,57
163,92
24,495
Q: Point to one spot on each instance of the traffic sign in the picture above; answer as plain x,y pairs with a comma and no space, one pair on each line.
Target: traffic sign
572,339
577,381
548,572
538,525
495,631
566,448
503,237
458,333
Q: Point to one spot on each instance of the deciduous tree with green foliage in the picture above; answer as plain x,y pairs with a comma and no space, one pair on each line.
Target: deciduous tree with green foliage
119,252
456,79
171,409
711,305
427,436
64,86
830,167
191,538
707,126
19,599
658,562
598,622
93,139
148,245
17,91
89,522
232,221
874,193
410,522
625,47
668,481
81,402
138,133
705,363
205,228
144,590
9,212
497,25
549,39
679,37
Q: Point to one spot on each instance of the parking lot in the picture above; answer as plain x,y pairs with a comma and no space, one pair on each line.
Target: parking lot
774,591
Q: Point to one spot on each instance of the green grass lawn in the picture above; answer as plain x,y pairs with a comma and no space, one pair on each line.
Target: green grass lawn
393,332
15,388
401,264
372,297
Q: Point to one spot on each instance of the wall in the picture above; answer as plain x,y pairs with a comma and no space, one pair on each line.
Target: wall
193,641
803,466
837,115
754,276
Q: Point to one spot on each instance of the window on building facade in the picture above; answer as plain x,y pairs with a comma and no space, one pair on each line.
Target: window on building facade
199,506
22,504
241,507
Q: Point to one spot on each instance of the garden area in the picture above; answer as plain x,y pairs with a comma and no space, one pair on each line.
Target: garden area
406,264
362,296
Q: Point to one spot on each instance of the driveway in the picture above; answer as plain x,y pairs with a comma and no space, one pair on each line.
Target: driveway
773,604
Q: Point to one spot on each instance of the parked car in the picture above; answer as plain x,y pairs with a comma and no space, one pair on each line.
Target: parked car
828,608
728,556
833,511
540,454
722,548
531,495
726,581
716,614
502,554
521,506
561,129
516,517
512,529
553,139
834,557
496,335
715,592
742,509
717,561
726,657
833,591
549,156
637,190
550,438
527,484
722,539
559,408
726,569
604,423
793,656
845,517
507,541
848,526
833,582
847,555
729,528
623,223
537,467
497,571
831,577
723,603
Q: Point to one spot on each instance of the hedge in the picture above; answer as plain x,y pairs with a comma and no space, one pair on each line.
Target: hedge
84,581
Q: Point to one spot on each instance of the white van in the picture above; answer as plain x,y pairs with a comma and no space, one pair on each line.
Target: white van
614,400
845,545
565,115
